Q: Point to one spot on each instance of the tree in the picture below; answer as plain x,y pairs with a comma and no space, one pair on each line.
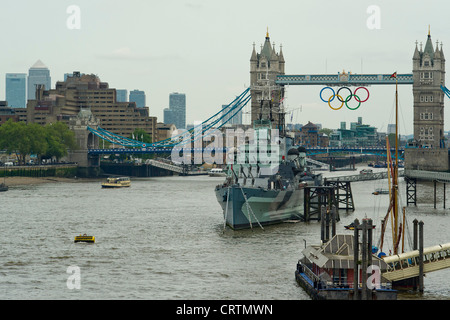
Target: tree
53,140
59,138
22,139
140,135
326,131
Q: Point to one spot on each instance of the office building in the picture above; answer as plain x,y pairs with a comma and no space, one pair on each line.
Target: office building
122,95
38,74
231,117
16,89
138,97
81,92
176,113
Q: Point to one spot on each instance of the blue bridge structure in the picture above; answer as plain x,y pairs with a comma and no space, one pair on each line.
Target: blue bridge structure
310,151
344,79
216,121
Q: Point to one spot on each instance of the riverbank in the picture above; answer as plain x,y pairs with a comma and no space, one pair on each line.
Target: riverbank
20,181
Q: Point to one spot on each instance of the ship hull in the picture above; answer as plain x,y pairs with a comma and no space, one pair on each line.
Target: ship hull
259,206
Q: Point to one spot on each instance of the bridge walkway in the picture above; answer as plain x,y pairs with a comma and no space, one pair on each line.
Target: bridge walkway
406,265
165,165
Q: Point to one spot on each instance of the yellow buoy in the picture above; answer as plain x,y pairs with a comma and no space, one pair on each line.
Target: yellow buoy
84,238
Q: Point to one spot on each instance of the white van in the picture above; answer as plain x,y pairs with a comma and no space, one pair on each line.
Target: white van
8,164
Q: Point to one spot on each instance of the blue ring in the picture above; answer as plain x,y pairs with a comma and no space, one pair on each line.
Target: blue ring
320,94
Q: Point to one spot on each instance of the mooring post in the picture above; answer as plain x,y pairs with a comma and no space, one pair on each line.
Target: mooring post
322,224
421,256
355,261
306,205
327,224
415,226
444,195
333,221
364,261
369,242
434,194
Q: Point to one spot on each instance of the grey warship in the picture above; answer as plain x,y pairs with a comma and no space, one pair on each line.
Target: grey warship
265,184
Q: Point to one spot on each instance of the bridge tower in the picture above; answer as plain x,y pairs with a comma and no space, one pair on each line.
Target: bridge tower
264,69
85,139
429,150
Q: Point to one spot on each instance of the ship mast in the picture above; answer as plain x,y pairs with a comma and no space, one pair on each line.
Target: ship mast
393,206
395,189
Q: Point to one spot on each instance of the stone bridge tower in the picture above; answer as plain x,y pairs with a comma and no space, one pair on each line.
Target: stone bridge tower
429,150
264,69
85,139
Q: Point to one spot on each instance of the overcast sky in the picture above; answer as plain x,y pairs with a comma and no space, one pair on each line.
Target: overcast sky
203,48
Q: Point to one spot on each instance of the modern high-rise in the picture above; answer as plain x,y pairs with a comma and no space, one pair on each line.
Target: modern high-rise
232,117
176,113
138,97
169,116
16,89
38,74
122,95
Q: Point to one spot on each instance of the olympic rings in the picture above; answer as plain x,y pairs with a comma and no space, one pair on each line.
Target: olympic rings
367,90
320,95
349,90
342,100
331,99
356,98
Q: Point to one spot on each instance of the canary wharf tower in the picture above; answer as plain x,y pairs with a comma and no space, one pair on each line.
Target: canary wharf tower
38,74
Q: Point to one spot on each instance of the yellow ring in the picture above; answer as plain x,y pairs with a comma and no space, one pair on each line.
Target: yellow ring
331,97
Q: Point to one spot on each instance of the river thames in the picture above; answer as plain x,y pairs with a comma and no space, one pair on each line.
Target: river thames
164,238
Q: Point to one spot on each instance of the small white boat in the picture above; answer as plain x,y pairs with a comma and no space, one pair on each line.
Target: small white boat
216,172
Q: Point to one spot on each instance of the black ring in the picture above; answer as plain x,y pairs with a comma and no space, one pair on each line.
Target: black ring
337,94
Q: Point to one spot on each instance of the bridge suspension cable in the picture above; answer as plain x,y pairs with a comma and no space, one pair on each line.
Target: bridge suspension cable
446,91
198,132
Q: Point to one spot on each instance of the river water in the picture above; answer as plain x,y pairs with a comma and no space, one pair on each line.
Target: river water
164,238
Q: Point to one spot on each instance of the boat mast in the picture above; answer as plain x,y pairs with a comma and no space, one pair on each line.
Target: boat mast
395,182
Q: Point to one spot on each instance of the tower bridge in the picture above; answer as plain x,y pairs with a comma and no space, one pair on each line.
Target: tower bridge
344,79
267,76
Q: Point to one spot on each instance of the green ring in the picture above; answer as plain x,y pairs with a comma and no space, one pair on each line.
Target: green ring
348,99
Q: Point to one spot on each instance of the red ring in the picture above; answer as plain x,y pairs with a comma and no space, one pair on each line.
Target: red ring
358,98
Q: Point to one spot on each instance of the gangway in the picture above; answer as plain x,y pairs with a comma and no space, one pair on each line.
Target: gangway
319,165
406,265
165,165
364,177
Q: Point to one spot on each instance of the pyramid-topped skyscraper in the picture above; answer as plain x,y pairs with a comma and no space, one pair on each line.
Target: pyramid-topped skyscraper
38,74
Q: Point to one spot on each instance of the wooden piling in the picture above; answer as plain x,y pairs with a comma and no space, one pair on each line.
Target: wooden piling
333,221
322,224
421,256
355,261
434,193
364,261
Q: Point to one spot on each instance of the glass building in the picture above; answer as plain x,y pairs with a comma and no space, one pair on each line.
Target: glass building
232,117
38,74
16,89
138,97
177,106
122,95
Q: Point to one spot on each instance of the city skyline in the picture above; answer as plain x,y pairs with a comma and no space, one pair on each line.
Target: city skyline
192,47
